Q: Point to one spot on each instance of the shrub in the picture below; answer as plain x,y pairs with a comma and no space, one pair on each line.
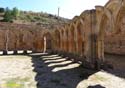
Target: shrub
1,10
7,16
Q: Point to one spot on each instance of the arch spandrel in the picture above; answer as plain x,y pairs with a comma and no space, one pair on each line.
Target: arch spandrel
120,20
114,6
105,24
81,24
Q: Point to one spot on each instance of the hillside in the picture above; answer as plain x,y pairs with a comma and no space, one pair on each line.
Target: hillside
37,18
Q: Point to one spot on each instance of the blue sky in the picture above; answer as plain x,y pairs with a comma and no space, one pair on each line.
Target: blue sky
68,8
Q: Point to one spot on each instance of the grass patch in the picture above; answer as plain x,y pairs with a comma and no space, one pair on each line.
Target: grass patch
101,78
16,82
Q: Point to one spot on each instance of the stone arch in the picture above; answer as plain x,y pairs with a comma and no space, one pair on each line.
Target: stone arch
106,17
37,41
80,31
85,35
105,28
114,12
117,41
72,42
3,40
120,20
47,41
113,5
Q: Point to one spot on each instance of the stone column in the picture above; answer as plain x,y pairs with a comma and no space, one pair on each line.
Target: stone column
44,50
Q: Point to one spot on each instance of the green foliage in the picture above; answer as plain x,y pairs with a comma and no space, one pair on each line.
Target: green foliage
15,13
16,82
29,17
10,14
7,16
37,18
1,10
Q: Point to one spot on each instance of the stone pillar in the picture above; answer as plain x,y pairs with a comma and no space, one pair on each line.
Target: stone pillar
100,37
25,52
61,41
4,52
100,50
75,40
42,44
15,52
44,50
65,42
70,41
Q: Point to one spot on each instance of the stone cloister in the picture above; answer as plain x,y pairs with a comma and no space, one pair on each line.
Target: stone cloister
86,37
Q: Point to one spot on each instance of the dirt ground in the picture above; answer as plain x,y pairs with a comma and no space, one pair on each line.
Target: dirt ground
52,71
118,61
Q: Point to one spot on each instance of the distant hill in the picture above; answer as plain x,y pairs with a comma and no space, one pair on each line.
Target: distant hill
37,18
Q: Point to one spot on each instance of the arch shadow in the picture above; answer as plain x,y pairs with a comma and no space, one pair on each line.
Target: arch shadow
54,77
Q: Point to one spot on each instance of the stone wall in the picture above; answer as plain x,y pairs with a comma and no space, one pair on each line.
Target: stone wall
115,44
19,36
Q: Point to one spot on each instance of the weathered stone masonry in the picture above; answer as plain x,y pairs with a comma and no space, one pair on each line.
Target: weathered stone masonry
85,38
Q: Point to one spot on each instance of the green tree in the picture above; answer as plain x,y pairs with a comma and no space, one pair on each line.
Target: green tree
7,16
1,10
15,12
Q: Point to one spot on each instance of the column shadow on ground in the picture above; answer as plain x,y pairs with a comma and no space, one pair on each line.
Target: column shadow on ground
51,72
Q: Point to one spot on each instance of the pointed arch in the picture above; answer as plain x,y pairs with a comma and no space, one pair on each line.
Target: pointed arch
80,37
120,19
48,41
72,42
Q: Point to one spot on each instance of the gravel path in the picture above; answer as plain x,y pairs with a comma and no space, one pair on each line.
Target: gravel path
51,71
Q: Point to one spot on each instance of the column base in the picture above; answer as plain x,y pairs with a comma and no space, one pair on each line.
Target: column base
25,52
4,52
15,52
